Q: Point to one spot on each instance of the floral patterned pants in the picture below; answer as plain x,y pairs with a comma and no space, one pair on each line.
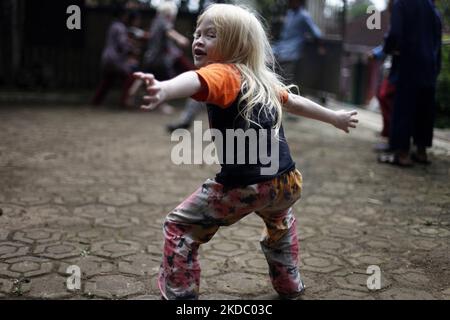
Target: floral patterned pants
197,219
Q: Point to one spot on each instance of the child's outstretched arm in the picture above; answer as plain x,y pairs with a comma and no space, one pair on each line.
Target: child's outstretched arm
302,106
185,85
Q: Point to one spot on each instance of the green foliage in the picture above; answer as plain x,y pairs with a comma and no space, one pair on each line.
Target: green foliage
443,90
443,7
358,8
443,85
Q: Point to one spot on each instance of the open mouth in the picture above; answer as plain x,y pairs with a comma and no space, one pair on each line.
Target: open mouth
199,52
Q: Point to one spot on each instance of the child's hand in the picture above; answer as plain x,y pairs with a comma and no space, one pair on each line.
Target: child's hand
153,87
345,120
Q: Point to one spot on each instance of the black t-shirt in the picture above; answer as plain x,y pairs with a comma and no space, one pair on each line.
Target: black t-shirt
249,152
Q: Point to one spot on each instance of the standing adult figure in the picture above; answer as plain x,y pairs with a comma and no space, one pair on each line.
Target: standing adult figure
297,25
415,36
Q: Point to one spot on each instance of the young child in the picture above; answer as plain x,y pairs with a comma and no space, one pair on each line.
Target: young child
236,80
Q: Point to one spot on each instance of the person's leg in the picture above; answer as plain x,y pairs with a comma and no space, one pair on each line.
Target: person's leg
385,96
424,123
193,223
402,124
280,243
105,85
127,83
191,109
386,99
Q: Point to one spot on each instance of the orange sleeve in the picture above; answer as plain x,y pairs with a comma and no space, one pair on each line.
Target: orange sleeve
284,97
221,84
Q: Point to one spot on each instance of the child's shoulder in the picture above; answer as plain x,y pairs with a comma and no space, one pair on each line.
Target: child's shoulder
221,84
224,70
219,66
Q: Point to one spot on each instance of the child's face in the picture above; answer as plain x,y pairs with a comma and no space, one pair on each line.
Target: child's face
205,44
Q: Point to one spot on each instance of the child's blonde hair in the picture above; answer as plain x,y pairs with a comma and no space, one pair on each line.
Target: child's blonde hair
242,40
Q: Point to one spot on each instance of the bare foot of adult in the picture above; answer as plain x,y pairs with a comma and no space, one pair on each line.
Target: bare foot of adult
396,159
421,158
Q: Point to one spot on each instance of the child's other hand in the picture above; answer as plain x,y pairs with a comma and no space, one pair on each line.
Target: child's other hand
346,120
153,87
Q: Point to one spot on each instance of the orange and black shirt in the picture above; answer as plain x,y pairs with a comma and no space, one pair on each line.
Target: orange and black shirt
221,90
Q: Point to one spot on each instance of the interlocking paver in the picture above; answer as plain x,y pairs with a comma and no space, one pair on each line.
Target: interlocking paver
31,199
238,283
3,234
114,286
11,210
12,249
27,266
60,250
89,266
94,211
118,199
115,248
96,197
139,265
401,293
48,287
116,222
33,236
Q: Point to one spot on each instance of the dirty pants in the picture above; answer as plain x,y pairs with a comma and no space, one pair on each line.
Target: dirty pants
197,219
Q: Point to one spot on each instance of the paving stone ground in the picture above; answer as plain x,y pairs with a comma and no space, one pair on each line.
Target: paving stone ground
91,188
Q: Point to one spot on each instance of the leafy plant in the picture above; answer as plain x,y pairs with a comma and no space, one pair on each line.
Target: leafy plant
443,90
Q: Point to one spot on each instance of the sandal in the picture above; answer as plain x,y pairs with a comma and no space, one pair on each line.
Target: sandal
393,159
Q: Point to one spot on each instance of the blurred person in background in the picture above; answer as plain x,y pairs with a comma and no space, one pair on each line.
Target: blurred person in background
416,36
165,58
297,26
386,91
192,108
116,63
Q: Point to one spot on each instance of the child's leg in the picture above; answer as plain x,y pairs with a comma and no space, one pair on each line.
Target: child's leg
191,109
280,246
280,243
194,222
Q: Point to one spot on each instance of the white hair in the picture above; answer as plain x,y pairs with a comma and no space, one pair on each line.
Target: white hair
242,41
168,7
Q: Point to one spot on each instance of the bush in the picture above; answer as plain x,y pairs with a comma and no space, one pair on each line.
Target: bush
443,90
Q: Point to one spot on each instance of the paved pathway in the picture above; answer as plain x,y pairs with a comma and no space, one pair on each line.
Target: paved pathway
91,188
